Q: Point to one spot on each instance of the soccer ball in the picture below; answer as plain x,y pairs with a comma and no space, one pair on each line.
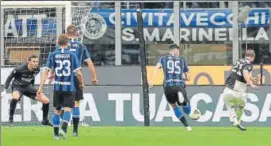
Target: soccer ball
195,115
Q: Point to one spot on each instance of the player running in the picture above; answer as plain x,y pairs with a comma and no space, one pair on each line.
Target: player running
65,64
175,73
23,84
234,94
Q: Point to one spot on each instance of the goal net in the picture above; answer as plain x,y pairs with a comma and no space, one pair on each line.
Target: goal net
29,28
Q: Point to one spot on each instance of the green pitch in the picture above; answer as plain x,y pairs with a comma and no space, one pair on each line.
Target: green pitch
139,136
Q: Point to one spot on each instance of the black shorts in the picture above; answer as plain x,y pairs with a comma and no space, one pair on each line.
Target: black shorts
79,91
172,95
29,91
63,99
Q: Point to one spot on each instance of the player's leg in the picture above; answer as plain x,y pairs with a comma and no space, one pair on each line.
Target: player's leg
229,101
56,118
76,108
178,113
68,103
62,112
76,118
56,122
45,108
171,97
66,118
241,103
16,95
31,92
183,100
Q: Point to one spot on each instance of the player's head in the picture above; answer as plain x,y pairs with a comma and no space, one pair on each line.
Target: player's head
63,41
250,55
174,49
72,31
33,61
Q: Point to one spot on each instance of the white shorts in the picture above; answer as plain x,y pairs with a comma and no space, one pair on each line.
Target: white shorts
232,97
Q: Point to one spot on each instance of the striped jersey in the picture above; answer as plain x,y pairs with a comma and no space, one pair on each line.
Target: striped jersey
79,50
65,64
173,68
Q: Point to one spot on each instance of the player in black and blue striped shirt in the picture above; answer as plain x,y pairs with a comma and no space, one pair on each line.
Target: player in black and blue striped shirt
175,74
84,57
65,64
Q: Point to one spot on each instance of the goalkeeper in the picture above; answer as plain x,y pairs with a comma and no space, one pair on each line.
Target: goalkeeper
23,84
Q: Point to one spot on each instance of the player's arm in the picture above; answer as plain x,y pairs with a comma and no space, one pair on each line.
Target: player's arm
80,77
91,67
186,74
51,76
7,83
247,75
254,79
44,76
93,71
78,71
10,77
48,67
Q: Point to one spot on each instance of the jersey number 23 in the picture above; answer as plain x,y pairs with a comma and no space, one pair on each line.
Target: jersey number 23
63,68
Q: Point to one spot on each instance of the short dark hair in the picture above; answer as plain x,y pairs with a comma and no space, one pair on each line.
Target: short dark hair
173,46
63,40
32,56
250,53
71,30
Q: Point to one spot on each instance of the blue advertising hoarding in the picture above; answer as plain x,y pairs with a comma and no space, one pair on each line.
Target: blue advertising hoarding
218,18
213,18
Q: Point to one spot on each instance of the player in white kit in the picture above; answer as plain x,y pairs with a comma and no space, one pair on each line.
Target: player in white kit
234,94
